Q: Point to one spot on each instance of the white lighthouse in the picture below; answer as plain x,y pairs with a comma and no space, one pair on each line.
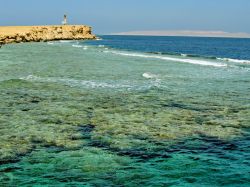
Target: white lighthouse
64,22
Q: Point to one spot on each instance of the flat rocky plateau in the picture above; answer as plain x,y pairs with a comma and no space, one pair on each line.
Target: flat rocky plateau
17,34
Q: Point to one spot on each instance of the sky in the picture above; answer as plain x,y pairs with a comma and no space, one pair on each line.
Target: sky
114,16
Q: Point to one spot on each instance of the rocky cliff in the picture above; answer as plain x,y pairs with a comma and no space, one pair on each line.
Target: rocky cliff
19,34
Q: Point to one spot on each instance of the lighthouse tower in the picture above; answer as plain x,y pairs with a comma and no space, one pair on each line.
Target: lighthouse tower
64,22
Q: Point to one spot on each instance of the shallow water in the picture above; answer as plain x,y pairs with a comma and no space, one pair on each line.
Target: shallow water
75,114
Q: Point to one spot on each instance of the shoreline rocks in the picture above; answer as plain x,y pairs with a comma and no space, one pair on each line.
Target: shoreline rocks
44,33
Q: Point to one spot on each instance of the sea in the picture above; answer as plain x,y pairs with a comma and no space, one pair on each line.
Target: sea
126,111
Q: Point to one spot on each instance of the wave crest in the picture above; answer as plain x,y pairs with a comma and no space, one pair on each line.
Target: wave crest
94,84
182,60
235,60
74,82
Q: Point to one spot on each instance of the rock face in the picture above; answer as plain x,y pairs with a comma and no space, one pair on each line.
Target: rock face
44,33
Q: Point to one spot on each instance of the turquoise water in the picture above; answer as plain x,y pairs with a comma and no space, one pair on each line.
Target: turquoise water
75,114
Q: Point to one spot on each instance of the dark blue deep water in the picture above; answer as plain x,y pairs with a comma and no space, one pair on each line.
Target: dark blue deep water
235,48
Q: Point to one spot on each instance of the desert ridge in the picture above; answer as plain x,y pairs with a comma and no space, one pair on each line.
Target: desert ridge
17,34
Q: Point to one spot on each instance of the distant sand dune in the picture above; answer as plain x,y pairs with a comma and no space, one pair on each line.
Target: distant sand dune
187,33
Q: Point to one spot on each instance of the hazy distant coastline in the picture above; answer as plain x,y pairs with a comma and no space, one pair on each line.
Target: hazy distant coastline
187,33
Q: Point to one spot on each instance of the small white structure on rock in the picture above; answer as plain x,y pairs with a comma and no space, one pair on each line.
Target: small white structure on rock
64,22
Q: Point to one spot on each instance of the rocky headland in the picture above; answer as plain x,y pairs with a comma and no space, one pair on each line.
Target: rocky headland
18,34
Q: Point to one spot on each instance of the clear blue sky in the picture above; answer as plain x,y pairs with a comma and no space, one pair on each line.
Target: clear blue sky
109,16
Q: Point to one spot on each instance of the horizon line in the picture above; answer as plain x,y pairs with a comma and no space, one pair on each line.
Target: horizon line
185,33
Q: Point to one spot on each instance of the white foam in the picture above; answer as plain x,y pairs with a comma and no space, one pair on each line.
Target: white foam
149,75
74,82
183,60
85,48
77,46
50,43
235,60
65,41
101,45
93,84
30,77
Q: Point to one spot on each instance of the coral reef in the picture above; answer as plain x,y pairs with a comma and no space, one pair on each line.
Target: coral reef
76,117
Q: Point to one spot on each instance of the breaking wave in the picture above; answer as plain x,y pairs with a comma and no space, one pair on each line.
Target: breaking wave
74,82
94,84
241,61
235,60
183,60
